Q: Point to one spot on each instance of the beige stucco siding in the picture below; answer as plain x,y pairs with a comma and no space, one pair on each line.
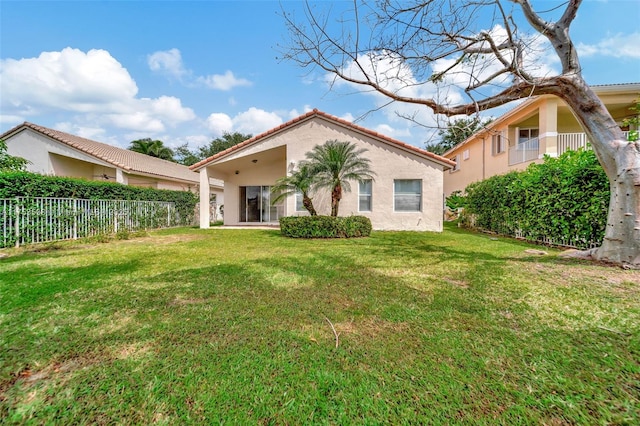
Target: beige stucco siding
276,155
37,149
554,121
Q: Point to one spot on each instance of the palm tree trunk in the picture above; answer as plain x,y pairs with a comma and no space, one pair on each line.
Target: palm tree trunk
308,204
336,196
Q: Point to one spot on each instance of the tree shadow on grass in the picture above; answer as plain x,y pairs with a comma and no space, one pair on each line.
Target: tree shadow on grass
30,285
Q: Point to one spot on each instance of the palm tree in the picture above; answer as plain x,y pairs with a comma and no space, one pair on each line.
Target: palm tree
334,165
300,181
154,148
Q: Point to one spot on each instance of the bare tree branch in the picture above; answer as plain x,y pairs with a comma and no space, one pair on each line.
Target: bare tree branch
407,50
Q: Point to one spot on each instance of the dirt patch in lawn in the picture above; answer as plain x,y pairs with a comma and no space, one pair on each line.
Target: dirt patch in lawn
616,280
178,301
164,239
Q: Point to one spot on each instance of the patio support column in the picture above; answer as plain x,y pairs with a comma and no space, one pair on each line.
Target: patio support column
121,177
204,198
548,130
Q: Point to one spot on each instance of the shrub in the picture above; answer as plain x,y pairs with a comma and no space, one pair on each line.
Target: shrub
24,184
563,199
456,200
325,226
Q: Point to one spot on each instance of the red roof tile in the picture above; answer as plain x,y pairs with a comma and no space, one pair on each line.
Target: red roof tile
129,161
315,113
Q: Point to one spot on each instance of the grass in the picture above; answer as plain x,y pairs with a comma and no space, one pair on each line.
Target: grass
233,326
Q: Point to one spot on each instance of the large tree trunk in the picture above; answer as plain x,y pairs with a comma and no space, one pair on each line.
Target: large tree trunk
620,160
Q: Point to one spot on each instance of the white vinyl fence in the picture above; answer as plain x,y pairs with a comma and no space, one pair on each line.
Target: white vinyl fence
37,220
512,230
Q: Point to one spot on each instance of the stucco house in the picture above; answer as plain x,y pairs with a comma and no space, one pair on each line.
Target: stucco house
56,153
539,126
406,193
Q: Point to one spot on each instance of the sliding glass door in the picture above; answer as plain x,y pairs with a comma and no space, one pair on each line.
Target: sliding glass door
255,205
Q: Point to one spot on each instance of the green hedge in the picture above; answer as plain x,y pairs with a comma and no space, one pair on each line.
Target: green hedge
325,226
563,199
24,184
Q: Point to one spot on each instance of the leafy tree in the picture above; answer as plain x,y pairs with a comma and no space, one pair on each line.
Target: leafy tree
395,48
457,131
9,163
183,155
187,157
220,144
633,123
334,165
301,181
153,148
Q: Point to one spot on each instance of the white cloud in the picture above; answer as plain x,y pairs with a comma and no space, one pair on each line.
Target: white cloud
392,132
294,112
252,121
256,121
219,123
170,109
617,46
95,133
11,119
348,117
93,84
69,80
169,62
140,121
224,82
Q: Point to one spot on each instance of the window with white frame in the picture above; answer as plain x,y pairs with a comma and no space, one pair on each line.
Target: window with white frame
407,195
498,143
365,195
465,154
527,139
299,204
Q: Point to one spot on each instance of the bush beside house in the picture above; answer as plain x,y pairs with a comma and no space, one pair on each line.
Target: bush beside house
25,184
325,226
563,199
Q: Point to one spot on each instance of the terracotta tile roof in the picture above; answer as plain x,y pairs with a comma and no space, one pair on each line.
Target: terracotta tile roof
129,161
315,113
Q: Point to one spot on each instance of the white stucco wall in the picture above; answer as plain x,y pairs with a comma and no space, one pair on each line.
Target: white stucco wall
50,157
36,148
389,163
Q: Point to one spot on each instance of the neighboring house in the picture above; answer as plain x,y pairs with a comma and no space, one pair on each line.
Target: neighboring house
56,153
406,193
539,126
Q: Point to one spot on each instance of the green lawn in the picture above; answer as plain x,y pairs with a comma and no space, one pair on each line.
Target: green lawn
235,326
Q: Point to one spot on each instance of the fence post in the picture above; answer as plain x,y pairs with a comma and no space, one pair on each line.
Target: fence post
115,217
75,219
17,223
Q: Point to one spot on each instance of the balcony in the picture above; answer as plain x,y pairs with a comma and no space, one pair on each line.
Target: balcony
575,141
524,152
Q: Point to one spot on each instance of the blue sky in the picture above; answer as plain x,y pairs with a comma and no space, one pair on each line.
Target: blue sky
187,71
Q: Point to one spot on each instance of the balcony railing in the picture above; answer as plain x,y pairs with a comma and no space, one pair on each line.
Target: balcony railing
575,141
523,152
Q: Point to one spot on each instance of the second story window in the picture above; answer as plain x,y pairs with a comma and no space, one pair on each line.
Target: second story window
498,144
528,139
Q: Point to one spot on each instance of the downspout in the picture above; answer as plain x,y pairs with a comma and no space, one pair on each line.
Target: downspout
483,157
